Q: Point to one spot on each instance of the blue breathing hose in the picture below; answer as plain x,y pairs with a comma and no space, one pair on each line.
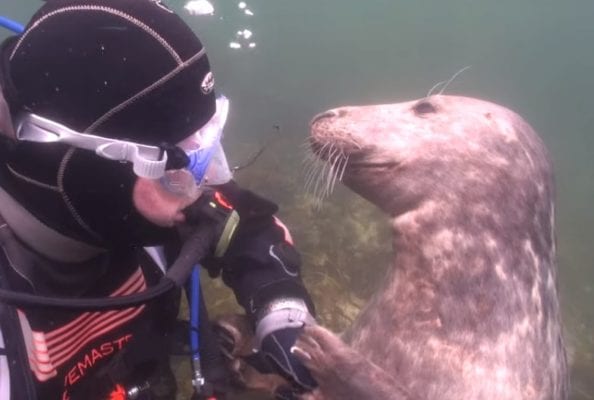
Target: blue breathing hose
195,313
11,25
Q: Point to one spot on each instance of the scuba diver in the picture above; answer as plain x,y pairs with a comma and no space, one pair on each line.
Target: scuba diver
113,185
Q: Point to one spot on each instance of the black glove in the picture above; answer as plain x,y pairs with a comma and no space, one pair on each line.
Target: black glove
237,341
276,348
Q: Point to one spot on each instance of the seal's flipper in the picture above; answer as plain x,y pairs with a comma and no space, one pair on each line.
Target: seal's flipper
6,127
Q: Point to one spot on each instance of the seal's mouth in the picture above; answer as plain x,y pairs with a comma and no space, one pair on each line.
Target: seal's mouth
333,151
325,164
328,131
372,164
329,160
320,144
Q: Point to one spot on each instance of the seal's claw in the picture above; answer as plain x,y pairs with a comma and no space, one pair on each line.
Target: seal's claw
313,395
317,348
321,337
300,353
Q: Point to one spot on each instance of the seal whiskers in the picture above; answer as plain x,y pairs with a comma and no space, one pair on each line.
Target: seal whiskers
323,168
445,83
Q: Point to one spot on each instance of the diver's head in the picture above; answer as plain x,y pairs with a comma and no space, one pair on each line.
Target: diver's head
127,70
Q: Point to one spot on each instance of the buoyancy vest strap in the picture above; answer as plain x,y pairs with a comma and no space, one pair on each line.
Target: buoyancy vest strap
20,376
41,237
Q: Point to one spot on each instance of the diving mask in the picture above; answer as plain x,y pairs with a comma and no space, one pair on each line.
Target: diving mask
206,164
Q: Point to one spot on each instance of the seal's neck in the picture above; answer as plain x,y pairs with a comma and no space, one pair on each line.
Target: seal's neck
468,251
440,237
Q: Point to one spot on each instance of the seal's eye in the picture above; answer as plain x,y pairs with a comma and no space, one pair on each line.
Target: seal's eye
423,107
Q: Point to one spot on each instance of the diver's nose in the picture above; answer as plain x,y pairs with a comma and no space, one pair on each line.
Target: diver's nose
324,115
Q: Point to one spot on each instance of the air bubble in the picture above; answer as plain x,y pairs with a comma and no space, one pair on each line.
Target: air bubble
199,7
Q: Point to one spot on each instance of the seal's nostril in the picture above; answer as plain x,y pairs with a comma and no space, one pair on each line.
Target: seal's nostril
326,114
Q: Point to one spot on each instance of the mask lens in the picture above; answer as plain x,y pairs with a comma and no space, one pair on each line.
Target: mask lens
218,171
207,161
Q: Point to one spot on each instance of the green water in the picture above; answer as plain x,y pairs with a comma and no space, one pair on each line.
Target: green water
533,56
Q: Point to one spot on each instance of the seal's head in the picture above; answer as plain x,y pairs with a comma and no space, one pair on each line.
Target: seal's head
446,147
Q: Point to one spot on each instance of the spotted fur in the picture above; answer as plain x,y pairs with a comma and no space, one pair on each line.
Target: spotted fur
469,309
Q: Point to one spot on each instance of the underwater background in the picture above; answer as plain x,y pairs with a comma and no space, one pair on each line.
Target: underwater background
535,57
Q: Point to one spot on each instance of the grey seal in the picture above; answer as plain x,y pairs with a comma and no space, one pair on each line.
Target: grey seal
469,308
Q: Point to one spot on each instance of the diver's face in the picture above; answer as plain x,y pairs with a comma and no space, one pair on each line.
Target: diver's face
157,205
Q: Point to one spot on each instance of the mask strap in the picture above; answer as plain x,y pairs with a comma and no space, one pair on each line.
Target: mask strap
148,161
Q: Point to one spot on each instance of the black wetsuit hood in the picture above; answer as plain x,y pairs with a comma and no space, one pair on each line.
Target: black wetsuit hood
129,69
